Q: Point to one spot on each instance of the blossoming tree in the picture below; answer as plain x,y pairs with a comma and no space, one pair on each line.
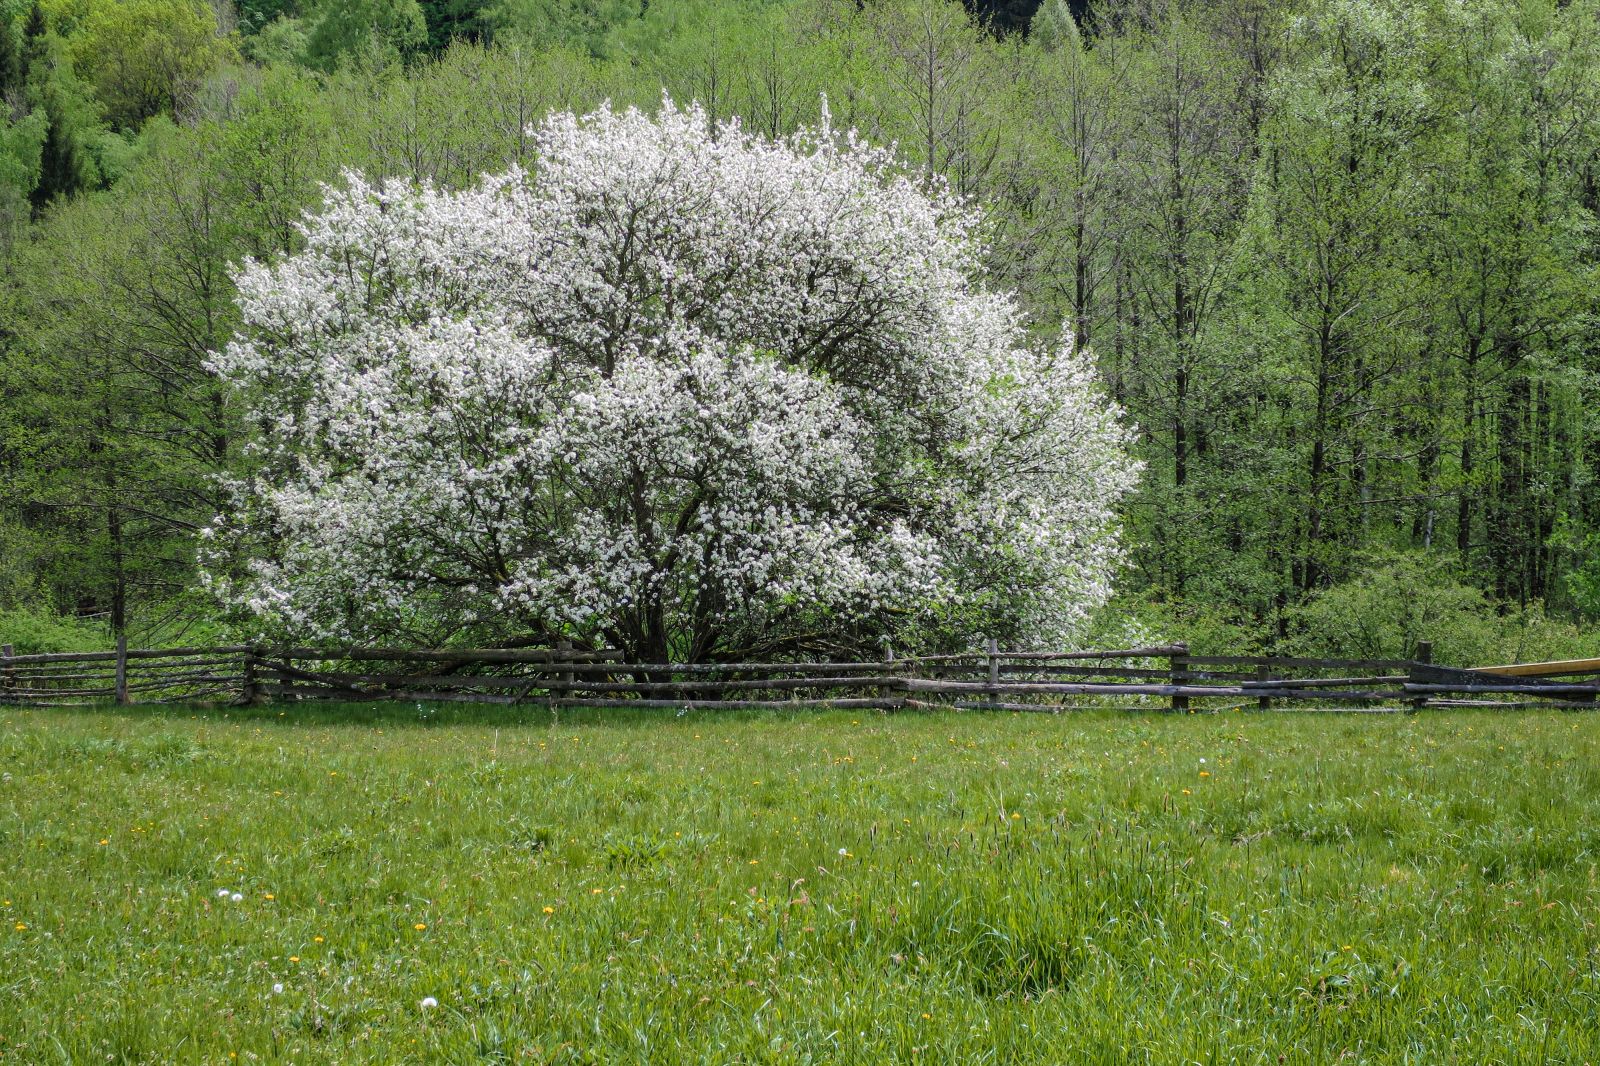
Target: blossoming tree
680,390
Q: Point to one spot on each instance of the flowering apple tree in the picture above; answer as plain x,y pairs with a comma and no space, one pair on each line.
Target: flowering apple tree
680,390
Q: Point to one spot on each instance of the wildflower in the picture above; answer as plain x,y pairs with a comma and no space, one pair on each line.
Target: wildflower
1205,773
222,893
1015,816
420,926
844,853
237,897
277,988
596,891
549,910
294,958
428,1003
21,926
269,896
104,842
316,940
1187,792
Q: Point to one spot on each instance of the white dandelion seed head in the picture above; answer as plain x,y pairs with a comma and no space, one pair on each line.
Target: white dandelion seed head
222,893
428,1003
278,988
236,898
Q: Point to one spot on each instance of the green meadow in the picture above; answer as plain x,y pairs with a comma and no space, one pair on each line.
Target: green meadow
405,884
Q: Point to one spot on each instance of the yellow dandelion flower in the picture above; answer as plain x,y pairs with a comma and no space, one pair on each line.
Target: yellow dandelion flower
294,958
420,926
21,926
1187,792
596,891
269,895
316,940
549,910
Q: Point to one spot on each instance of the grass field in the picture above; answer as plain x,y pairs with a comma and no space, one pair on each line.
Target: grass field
632,887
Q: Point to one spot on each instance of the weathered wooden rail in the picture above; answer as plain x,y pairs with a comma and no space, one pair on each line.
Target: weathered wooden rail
1161,677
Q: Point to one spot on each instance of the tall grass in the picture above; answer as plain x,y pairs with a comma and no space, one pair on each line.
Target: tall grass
764,888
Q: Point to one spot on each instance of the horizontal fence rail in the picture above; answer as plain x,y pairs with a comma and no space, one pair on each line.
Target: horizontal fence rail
1158,677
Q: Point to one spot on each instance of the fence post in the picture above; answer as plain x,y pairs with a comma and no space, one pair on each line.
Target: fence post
1263,673
564,648
992,646
1177,674
249,685
7,671
122,669
1423,657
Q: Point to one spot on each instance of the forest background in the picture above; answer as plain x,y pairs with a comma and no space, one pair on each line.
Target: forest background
1336,258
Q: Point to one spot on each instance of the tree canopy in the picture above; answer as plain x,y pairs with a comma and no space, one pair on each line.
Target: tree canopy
680,390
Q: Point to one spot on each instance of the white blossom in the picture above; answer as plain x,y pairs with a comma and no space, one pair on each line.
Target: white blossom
679,389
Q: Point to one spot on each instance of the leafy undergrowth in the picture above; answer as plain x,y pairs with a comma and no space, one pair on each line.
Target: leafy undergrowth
764,888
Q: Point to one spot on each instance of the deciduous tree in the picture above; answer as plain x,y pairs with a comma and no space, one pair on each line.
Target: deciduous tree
684,390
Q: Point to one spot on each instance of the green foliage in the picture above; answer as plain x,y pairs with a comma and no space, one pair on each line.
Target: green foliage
256,15
588,25
66,161
1397,601
1582,579
453,20
280,42
1055,28
146,57
125,295
1209,628
943,888
22,151
34,630
368,31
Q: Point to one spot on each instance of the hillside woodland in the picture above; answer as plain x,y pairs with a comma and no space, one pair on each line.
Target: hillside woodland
1334,258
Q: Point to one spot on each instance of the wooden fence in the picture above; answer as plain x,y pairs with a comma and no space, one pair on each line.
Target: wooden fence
1166,677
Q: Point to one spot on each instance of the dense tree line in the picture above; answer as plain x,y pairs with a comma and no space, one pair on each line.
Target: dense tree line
1334,257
